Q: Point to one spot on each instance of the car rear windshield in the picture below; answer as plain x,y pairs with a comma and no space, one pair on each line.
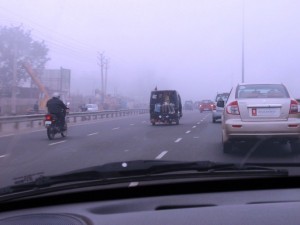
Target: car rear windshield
206,101
223,97
262,91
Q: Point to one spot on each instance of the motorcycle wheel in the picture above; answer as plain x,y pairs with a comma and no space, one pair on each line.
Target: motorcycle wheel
64,133
50,133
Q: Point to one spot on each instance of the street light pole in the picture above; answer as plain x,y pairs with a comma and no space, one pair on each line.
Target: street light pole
243,41
101,64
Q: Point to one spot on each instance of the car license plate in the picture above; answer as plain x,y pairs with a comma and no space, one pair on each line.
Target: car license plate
47,123
265,112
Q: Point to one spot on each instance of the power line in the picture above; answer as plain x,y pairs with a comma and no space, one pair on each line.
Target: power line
62,37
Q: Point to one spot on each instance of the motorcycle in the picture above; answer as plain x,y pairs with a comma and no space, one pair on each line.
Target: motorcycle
53,126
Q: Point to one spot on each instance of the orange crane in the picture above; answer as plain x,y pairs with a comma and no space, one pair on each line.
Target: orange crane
39,84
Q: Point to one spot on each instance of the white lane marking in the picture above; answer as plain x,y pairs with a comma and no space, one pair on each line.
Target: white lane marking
2,156
59,142
132,124
198,123
34,131
116,128
6,135
178,140
194,126
188,132
92,134
161,155
126,150
133,184
196,137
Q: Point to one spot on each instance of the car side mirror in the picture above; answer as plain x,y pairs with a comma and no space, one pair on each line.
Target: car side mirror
221,103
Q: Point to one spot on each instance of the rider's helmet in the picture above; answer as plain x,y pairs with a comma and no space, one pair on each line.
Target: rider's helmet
56,95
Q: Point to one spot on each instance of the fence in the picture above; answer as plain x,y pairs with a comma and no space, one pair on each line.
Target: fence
13,123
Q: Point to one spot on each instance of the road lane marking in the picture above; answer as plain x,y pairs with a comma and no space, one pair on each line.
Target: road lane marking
133,184
132,124
34,131
198,123
194,126
92,134
178,140
116,128
2,156
7,135
59,142
161,155
188,132
196,137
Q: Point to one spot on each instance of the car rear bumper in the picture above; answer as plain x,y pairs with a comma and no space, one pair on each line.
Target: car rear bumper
235,128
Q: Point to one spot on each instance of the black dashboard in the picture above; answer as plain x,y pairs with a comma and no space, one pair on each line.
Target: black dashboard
195,204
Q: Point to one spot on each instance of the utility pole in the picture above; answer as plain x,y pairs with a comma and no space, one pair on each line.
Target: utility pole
106,68
14,85
101,64
243,41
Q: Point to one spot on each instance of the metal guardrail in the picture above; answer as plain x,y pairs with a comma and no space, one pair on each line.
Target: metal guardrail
36,120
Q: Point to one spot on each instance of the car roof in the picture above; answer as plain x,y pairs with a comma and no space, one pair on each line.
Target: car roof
260,84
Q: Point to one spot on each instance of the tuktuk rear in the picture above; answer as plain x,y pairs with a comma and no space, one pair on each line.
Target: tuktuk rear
165,107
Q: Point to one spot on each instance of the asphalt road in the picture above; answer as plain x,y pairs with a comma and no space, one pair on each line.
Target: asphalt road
124,139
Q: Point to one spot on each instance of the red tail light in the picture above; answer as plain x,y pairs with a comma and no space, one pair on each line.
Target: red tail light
233,108
294,107
48,117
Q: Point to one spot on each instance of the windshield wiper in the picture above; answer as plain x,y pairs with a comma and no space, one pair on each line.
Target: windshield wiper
136,170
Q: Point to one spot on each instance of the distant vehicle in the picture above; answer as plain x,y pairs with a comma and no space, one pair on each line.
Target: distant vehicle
298,100
218,110
197,104
206,105
91,108
165,107
188,105
260,111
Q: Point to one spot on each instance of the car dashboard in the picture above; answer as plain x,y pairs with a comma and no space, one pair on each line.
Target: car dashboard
260,205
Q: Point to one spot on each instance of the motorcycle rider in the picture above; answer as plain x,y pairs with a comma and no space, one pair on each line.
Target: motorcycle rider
58,108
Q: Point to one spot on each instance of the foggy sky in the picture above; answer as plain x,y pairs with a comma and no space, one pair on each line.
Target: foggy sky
194,46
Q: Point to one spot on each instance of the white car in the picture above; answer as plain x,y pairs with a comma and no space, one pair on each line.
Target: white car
92,107
255,111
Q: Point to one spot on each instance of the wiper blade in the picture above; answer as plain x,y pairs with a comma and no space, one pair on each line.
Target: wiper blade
142,168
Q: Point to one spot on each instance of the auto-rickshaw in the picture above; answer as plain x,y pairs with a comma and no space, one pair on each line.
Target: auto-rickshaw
165,107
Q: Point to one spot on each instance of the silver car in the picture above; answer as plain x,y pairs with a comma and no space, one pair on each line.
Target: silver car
218,110
255,111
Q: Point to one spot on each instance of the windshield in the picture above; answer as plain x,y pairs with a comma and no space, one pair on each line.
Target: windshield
89,82
262,91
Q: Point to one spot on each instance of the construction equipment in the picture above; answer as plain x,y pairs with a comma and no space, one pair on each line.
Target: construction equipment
45,95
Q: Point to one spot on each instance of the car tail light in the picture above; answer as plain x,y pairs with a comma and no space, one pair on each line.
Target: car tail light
48,117
233,108
294,107
213,106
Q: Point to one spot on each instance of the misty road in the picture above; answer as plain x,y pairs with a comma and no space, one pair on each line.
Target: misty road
123,139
